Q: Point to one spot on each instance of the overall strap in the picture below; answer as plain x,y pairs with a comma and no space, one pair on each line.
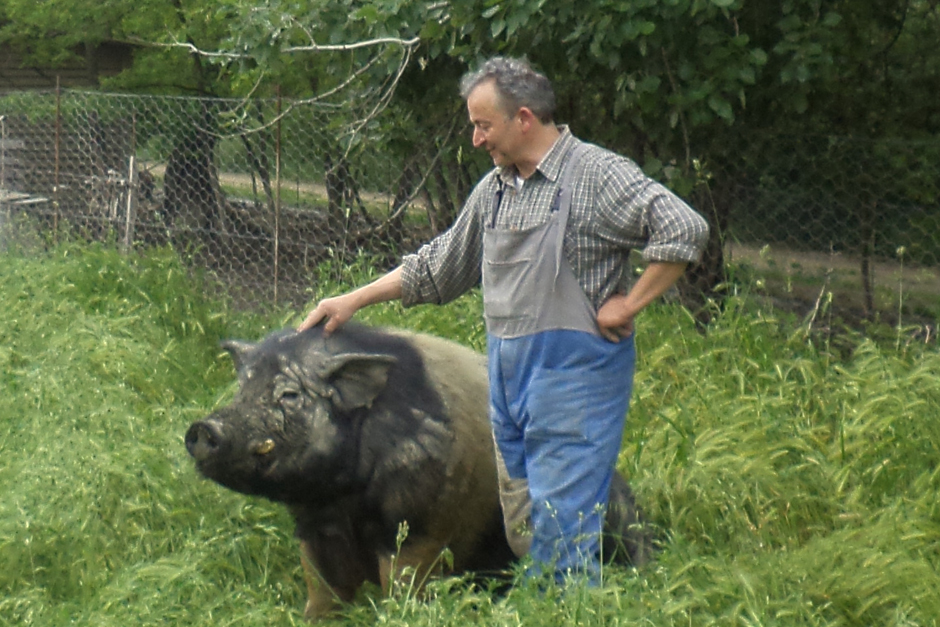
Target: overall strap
562,202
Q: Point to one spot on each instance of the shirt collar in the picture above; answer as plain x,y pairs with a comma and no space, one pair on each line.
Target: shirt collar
551,164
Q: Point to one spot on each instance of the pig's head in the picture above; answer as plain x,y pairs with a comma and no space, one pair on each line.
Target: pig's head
291,432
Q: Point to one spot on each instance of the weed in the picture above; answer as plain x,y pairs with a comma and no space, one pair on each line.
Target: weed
795,486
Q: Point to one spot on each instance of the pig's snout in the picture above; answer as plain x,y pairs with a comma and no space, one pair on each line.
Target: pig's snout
203,439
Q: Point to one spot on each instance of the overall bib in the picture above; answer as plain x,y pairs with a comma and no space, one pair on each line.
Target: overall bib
559,391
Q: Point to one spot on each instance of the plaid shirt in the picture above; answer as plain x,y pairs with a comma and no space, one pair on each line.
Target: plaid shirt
615,207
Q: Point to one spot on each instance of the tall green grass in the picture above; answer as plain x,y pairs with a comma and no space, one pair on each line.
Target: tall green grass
793,484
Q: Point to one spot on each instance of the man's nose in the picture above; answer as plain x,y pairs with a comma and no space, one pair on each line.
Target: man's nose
478,138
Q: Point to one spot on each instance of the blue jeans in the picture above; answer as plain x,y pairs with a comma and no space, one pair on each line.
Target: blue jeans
558,402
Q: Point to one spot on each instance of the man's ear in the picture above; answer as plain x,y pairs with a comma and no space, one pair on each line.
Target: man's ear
526,118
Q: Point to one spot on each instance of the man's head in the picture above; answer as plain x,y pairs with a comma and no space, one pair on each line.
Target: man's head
517,85
509,104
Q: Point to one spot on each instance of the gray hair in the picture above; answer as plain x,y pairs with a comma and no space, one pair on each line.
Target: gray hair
517,85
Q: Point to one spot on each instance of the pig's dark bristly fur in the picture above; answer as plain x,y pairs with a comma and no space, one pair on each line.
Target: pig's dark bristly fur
364,430
356,433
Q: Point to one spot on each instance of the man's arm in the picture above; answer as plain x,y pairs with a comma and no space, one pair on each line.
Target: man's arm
615,317
339,309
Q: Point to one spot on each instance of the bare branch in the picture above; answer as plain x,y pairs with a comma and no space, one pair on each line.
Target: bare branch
406,43
313,47
387,96
293,104
189,47
444,147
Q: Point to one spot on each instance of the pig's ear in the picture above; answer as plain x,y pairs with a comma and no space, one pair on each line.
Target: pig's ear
240,352
356,378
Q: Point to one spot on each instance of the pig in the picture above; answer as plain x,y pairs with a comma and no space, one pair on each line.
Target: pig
365,430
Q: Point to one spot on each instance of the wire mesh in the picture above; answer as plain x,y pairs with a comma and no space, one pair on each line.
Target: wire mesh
261,194
267,195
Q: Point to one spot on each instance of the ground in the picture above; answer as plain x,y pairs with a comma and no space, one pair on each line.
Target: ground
798,280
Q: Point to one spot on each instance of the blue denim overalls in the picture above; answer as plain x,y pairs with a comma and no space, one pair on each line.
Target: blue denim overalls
559,391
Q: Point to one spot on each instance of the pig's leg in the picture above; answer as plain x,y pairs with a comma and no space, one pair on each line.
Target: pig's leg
333,576
412,564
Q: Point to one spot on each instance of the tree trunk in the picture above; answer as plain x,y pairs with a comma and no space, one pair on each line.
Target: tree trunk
193,203
258,159
866,232
697,287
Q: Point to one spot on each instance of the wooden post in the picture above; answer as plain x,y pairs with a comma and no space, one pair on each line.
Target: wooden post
3,140
277,194
131,215
133,188
3,180
58,139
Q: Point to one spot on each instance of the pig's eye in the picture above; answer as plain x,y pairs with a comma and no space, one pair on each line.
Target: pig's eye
290,397
287,393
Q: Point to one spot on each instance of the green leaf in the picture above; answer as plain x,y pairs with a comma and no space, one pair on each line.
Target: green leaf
758,57
649,84
368,13
490,12
746,75
513,22
832,19
721,107
652,166
629,30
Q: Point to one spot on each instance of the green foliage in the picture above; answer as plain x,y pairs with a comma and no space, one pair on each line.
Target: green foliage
662,68
662,81
849,68
105,359
793,486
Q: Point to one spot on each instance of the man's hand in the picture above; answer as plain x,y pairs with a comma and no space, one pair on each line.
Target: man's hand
615,319
336,311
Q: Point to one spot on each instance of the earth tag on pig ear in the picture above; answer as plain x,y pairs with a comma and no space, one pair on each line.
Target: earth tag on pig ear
356,378
265,447
240,352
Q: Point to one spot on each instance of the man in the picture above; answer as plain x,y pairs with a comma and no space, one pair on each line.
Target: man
549,232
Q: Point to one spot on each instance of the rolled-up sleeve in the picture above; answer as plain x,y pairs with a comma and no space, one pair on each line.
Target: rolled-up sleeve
448,265
677,232
641,213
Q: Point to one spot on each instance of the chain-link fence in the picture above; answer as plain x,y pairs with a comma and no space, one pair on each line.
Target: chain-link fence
265,195
269,194
859,217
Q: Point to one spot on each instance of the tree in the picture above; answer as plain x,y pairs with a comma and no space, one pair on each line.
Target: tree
211,48
648,78
679,85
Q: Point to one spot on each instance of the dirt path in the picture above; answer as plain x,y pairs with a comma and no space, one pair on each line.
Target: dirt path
839,265
807,270
288,186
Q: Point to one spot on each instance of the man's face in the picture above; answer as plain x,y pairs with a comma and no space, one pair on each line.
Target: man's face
493,130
